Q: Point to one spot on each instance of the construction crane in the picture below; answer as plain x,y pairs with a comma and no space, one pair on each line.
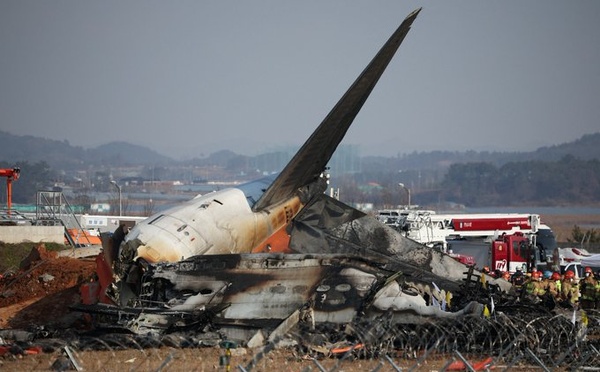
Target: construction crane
11,174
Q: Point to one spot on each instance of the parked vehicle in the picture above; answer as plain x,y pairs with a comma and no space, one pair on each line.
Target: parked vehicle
505,253
479,237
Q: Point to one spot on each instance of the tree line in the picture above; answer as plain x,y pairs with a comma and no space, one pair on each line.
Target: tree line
567,181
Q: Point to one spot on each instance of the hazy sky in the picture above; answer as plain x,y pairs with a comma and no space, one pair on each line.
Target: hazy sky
191,77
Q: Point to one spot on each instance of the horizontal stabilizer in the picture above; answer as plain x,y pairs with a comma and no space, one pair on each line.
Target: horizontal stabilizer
312,158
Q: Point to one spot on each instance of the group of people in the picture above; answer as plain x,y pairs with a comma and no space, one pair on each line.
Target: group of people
564,289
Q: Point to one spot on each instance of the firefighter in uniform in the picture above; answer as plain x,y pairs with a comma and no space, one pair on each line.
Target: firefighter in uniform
569,290
549,290
553,286
534,286
587,287
546,278
518,279
527,288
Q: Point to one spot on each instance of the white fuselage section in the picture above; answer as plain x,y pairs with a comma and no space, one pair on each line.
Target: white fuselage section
221,222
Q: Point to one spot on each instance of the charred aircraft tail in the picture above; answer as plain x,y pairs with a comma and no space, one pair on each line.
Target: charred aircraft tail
310,161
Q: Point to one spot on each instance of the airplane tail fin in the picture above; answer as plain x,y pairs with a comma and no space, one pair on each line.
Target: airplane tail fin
312,158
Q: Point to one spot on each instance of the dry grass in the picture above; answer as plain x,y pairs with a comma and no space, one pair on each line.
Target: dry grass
562,225
12,254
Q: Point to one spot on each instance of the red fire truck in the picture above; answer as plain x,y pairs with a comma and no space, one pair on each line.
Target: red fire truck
505,253
473,223
475,237
509,252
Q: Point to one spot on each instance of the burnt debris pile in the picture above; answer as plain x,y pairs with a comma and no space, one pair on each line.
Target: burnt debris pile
501,325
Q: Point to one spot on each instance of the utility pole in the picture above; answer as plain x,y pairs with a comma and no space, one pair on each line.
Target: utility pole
120,200
407,193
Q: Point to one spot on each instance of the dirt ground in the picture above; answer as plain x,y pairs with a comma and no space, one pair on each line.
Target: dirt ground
41,292
208,359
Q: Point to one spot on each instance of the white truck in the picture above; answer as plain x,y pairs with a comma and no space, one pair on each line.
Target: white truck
575,259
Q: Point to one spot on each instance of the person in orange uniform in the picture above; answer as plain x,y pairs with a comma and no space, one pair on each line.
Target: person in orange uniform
569,290
535,287
553,286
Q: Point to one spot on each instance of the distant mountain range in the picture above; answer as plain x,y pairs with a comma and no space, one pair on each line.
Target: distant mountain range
585,148
63,155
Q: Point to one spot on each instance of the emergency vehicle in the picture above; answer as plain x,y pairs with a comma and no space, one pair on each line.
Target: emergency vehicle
510,252
505,253
575,259
432,229
483,236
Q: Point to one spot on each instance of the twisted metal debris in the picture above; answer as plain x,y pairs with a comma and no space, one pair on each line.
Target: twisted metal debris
549,340
515,331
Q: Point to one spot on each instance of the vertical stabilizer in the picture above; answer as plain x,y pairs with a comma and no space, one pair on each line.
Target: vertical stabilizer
310,161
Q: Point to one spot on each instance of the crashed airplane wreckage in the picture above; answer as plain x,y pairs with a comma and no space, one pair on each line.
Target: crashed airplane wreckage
274,251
